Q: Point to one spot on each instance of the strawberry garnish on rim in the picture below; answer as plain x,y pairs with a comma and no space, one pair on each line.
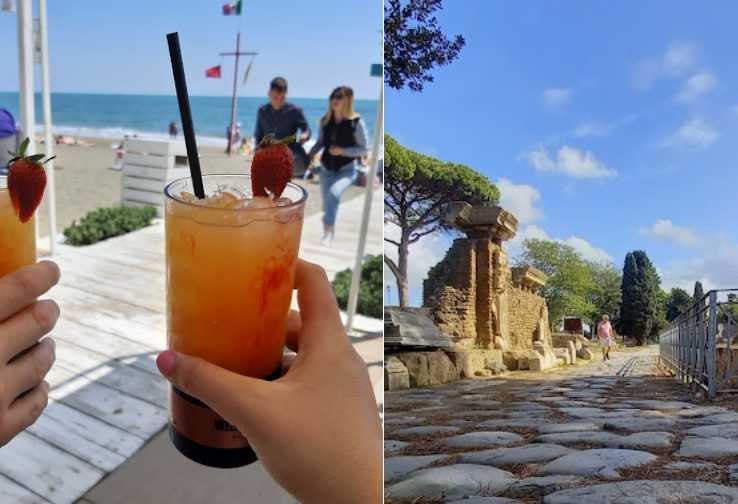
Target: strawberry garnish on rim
26,181
271,167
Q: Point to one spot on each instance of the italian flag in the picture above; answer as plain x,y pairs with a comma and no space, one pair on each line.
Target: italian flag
231,9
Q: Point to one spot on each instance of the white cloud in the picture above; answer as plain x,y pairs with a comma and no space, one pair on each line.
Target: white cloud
569,161
678,60
520,199
597,128
591,128
586,249
556,97
696,85
695,133
534,232
665,230
716,267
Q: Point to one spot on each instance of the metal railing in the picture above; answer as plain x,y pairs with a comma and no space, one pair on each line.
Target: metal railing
700,347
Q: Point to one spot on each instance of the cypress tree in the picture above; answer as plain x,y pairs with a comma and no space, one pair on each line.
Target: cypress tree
640,312
698,292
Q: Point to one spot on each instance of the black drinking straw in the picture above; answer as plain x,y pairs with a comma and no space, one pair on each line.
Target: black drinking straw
175,54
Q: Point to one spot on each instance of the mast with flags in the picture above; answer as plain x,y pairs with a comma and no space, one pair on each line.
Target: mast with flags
233,9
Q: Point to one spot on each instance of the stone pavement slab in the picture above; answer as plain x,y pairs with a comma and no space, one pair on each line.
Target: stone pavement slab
528,454
424,430
483,438
647,492
487,500
399,466
708,447
637,440
719,430
452,481
603,462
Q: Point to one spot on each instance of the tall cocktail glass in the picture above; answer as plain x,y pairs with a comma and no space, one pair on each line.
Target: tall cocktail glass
230,275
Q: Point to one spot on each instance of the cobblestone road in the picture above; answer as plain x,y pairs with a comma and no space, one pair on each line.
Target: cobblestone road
604,432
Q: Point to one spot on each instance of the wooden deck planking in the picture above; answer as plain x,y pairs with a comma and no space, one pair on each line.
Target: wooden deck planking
82,437
10,491
112,346
107,397
125,378
46,470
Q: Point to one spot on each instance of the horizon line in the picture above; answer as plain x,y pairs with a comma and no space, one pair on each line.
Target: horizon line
107,93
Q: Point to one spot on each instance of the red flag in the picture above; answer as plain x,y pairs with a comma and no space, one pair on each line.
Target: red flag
213,72
227,9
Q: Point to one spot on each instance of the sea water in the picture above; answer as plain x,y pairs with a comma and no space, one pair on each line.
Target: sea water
114,116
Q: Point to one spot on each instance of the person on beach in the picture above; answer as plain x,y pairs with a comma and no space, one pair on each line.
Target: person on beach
343,140
282,119
173,130
604,333
24,361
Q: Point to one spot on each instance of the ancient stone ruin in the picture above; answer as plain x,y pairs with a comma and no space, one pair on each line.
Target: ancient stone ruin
479,315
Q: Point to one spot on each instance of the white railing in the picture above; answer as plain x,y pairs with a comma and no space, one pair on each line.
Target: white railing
700,347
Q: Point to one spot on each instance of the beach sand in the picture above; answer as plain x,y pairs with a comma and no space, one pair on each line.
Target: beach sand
85,182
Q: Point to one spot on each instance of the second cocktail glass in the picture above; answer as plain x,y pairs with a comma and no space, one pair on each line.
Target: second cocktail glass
17,239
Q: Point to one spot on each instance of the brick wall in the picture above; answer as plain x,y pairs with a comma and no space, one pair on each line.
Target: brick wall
524,308
449,291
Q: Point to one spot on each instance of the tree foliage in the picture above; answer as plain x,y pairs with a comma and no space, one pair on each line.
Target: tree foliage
416,190
575,287
640,314
414,43
371,299
678,302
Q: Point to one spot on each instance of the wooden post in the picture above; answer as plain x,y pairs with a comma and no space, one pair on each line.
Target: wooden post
234,104
234,98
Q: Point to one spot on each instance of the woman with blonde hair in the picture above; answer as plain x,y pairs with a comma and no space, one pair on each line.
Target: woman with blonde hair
343,140
604,333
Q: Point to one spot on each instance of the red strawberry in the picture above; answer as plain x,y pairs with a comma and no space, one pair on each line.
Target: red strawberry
26,182
271,167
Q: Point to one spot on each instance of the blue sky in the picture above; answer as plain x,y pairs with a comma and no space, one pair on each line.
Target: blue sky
120,47
611,126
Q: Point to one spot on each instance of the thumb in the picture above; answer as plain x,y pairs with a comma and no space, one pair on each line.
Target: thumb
228,393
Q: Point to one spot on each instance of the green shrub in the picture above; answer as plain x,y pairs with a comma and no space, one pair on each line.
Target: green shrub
371,299
105,223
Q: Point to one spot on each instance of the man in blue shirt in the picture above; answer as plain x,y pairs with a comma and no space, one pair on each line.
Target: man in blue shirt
282,119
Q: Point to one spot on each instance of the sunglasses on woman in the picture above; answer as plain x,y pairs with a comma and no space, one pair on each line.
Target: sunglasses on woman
337,97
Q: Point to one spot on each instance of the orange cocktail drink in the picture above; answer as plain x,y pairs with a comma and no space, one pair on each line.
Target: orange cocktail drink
17,239
230,275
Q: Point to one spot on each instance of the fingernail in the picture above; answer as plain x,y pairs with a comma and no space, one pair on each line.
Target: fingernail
51,343
165,362
47,386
